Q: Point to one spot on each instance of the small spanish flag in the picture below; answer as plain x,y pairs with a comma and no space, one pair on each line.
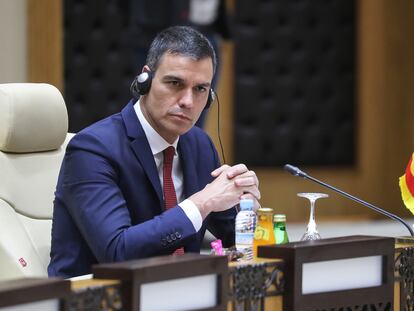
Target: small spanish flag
407,185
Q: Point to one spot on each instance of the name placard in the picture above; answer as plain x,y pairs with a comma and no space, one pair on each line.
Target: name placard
342,274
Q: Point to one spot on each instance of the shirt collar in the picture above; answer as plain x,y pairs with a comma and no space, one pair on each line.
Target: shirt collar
156,142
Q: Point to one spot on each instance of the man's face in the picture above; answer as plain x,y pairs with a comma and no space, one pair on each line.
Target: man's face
178,94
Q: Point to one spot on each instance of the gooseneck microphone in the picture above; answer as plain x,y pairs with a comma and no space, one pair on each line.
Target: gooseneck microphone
297,172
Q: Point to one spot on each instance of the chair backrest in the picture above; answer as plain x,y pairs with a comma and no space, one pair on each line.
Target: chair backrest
33,138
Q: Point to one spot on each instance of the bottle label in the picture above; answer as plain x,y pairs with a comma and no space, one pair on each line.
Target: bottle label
261,233
244,238
281,236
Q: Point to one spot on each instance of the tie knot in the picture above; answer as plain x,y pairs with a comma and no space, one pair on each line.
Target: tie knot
168,155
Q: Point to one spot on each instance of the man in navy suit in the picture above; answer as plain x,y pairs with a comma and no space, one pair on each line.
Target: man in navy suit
109,204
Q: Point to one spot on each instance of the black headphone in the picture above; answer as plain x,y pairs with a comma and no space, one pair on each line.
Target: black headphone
142,84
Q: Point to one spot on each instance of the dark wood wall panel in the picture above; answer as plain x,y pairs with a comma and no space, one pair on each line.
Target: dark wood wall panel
295,82
98,60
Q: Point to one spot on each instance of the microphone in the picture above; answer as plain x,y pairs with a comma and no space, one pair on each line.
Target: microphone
297,172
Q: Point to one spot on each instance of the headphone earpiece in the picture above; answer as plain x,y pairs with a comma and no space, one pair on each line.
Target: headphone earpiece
142,84
211,98
144,80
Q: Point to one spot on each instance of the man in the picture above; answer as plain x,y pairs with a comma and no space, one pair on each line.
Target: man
113,198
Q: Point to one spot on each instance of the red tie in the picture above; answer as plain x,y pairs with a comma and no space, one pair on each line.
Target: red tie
170,198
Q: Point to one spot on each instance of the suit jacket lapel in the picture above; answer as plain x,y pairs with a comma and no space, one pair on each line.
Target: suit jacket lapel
141,148
189,168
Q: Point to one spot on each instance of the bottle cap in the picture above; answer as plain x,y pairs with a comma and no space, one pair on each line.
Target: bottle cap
265,210
246,204
279,218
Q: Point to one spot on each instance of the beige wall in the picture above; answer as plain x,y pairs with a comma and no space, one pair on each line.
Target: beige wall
13,62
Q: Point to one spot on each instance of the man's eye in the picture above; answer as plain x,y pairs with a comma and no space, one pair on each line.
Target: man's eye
201,89
174,83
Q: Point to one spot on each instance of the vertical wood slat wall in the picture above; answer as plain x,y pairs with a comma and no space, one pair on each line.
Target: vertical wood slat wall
45,39
385,108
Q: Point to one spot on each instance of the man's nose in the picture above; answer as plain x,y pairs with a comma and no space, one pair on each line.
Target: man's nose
187,98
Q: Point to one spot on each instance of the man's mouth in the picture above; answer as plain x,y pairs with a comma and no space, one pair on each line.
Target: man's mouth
181,116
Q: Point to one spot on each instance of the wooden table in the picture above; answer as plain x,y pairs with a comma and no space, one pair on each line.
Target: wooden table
254,285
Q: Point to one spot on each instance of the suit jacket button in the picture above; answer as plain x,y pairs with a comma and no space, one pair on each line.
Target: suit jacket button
178,235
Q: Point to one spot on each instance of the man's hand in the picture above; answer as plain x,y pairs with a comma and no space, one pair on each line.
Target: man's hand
231,184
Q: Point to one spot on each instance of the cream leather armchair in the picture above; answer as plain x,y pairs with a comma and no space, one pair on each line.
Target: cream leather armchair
33,138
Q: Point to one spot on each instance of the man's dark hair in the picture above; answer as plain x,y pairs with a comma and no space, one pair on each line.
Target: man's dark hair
180,40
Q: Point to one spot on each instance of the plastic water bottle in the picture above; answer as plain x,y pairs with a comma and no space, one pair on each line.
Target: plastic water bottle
245,226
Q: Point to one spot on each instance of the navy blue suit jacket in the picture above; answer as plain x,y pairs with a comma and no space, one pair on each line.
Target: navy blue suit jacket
109,205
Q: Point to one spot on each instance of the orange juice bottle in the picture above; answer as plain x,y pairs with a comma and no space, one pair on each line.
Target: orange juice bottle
263,235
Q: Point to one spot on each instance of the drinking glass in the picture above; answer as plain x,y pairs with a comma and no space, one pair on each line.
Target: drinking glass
311,231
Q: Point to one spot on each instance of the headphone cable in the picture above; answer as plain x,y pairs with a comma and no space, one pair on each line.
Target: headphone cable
218,130
221,144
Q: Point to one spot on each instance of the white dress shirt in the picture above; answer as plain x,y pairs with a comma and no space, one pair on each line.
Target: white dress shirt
157,145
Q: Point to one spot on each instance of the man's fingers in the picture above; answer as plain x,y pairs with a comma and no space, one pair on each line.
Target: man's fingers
245,181
236,170
253,191
219,170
